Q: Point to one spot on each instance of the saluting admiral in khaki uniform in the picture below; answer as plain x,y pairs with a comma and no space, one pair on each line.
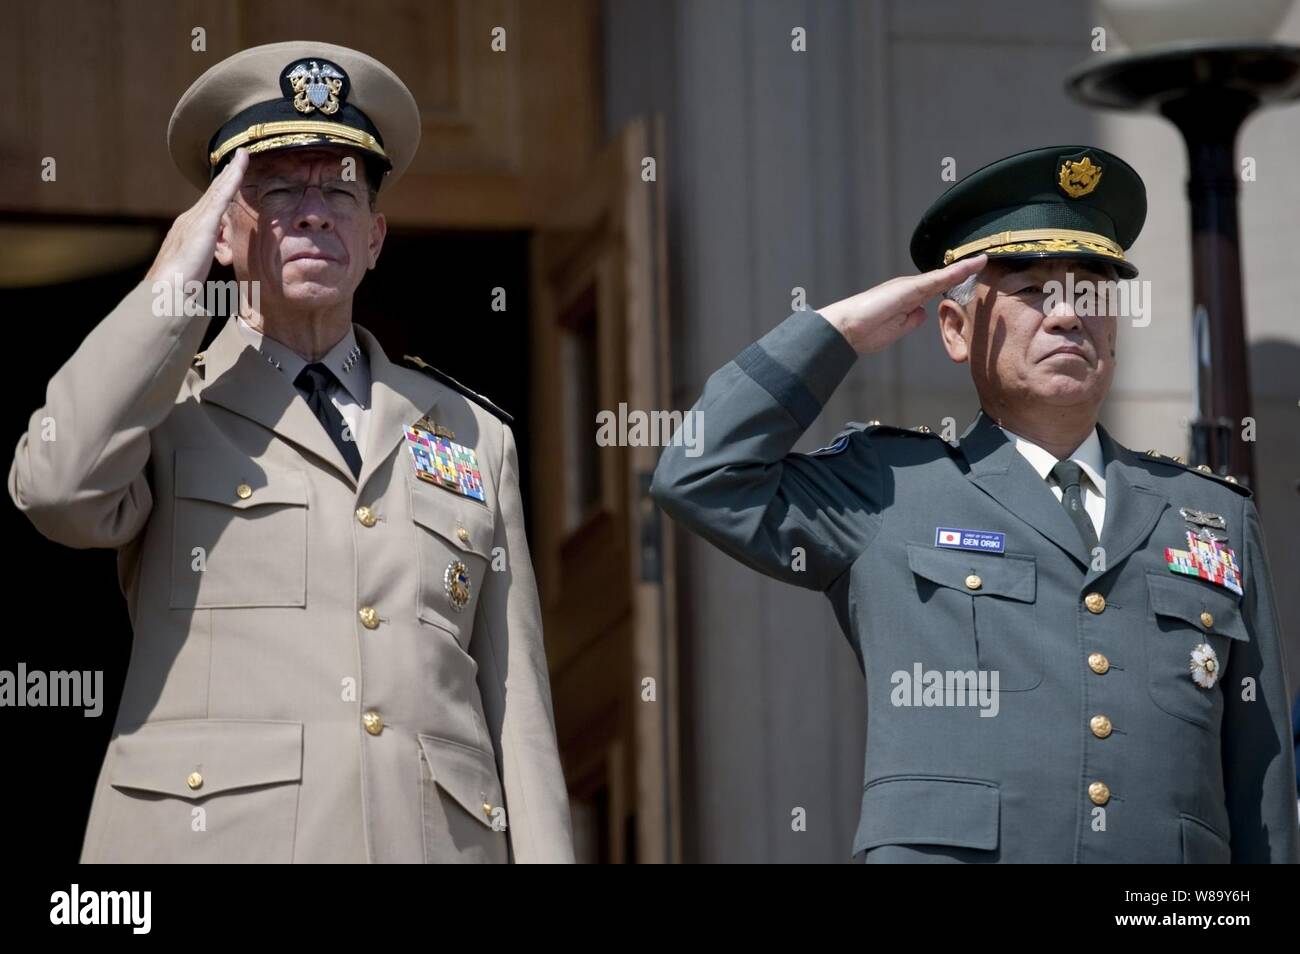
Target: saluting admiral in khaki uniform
338,649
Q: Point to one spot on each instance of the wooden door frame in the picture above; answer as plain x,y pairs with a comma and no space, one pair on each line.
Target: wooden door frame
609,235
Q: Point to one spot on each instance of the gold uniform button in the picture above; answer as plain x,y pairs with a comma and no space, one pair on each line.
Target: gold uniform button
1178,460
487,809
1095,602
462,535
1203,468
973,582
1230,479
194,780
1099,792
365,516
369,617
373,722
243,491
1100,726
1207,619
1098,663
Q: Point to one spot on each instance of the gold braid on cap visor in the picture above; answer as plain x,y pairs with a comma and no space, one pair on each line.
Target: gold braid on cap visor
1038,240
290,132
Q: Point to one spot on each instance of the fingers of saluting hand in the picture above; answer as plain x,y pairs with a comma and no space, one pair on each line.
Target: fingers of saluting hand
913,291
187,248
222,189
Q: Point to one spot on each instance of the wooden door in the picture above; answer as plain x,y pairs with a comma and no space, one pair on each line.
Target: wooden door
603,551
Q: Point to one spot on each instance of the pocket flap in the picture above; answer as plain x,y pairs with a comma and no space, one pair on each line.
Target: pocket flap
204,475
928,810
1188,599
467,774
221,754
447,514
1013,576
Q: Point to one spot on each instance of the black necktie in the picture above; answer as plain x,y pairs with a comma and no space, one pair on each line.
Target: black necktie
1067,474
314,381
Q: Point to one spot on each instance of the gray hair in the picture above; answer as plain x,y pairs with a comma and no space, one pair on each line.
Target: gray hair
964,293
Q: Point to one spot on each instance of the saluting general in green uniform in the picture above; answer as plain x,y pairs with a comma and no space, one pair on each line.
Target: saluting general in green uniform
1071,649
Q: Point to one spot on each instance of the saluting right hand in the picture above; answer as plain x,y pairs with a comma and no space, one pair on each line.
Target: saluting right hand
874,319
187,249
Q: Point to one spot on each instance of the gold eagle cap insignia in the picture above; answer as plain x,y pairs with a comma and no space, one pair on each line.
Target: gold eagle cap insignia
315,85
1078,177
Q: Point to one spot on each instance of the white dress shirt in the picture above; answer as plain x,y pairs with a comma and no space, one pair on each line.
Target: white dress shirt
351,395
1088,456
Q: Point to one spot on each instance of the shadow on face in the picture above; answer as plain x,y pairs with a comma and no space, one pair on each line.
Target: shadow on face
303,228
1027,341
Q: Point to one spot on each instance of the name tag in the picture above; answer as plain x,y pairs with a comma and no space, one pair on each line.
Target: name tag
954,538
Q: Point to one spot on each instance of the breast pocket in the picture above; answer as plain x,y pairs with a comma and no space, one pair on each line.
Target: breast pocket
983,606
454,540
1190,616
239,533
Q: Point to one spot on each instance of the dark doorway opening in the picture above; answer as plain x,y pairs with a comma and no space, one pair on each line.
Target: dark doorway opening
431,295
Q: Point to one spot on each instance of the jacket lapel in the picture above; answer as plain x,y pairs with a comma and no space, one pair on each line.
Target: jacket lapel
1133,505
1002,472
238,378
399,396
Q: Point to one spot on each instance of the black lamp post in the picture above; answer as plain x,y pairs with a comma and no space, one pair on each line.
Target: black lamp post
1207,90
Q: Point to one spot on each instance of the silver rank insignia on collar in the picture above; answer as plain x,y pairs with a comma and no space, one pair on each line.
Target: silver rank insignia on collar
351,359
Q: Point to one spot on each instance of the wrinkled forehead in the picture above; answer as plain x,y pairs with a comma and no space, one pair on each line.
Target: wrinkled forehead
299,163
